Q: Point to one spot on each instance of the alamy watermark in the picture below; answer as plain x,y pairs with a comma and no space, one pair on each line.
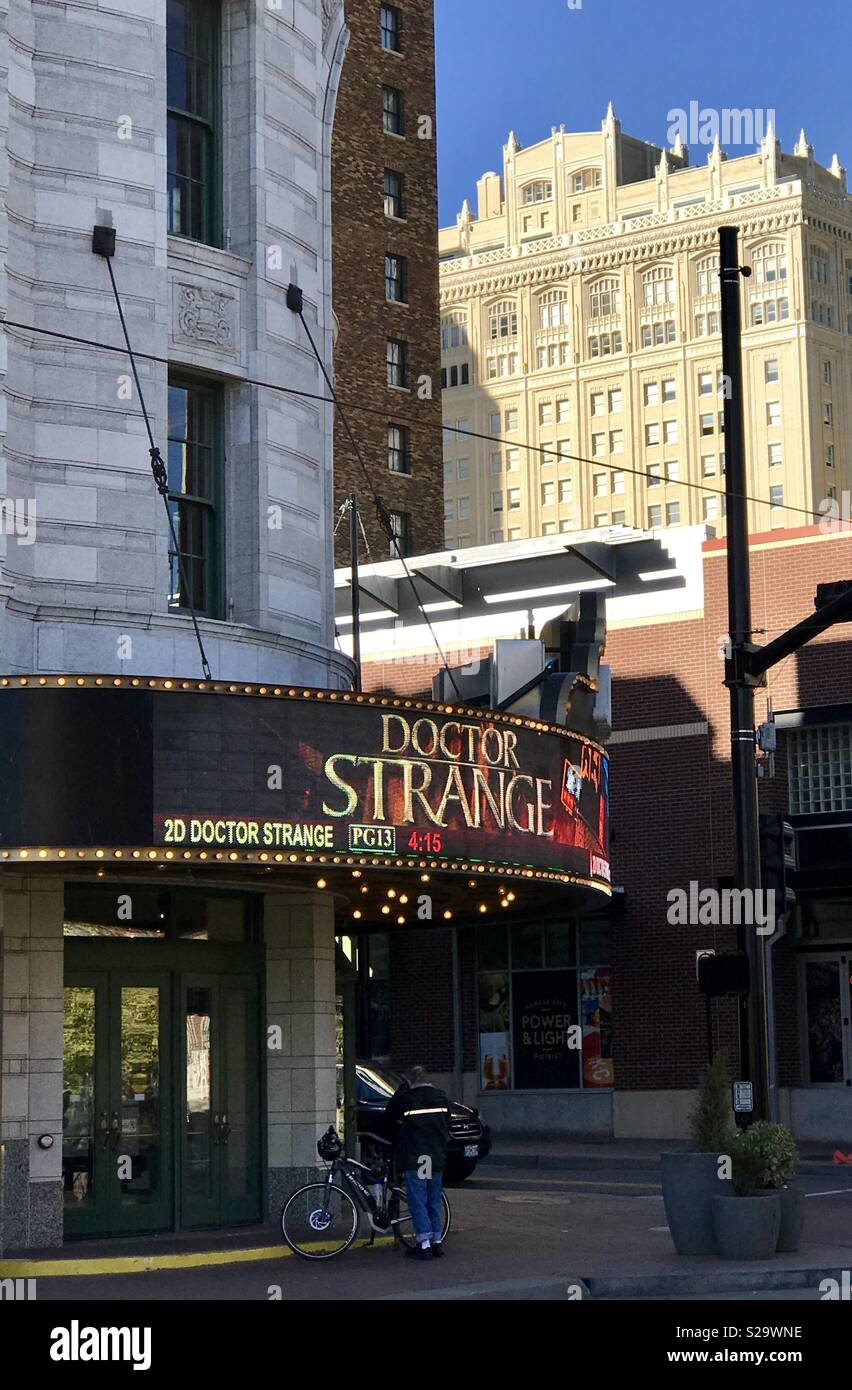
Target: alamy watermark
703,125
722,907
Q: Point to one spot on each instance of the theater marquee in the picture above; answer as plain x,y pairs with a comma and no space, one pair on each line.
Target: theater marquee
253,772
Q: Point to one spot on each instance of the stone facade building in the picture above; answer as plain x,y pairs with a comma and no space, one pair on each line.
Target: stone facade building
580,330
387,355
201,131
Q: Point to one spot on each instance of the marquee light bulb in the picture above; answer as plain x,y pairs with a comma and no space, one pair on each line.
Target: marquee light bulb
401,921
424,878
357,914
385,909
482,907
391,892
403,897
321,883
447,915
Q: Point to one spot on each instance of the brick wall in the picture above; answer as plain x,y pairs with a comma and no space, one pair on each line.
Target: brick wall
361,152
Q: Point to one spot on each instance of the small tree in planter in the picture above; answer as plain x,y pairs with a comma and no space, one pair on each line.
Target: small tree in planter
771,1149
748,1228
691,1179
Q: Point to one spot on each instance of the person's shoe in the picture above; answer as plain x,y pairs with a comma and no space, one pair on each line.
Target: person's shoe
437,1250
419,1252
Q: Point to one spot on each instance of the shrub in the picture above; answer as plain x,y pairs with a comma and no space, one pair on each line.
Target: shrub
764,1155
711,1117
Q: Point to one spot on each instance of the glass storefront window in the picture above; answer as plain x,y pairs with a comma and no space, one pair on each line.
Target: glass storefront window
127,911
527,941
545,1006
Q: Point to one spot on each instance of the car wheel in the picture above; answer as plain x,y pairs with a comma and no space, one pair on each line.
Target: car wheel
457,1172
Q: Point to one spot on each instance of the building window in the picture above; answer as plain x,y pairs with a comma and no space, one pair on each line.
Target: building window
705,383
707,324
769,311
655,517
673,472
545,413
710,508
615,399
775,456
604,344
511,420
463,470
396,278
604,299
655,475
776,503
464,508
708,465
548,494
401,530
652,435
708,424
394,194
556,355
827,414
566,490
195,469
601,487
773,412
191,94
496,501
672,513
826,373
563,412
513,460
820,769
586,179
770,371
598,445
670,431
393,118
770,263
540,192
514,496
496,537
658,286
554,310
651,393
391,29
397,363
494,422
496,464
618,482
829,455
618,518
503,321
707,276
399,449
616,441
597,403
669,390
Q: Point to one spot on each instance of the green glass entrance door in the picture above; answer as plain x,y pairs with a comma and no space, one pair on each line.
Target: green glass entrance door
117,1139
220,1100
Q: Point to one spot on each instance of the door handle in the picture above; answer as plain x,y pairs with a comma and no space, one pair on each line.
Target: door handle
226,1129
104,1128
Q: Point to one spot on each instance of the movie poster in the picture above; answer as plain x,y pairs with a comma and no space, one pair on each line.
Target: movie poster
546,1030
596,1005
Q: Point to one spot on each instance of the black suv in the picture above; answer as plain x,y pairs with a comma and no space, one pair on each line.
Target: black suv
470,1139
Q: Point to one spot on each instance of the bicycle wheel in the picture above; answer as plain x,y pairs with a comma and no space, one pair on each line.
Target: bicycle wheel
319,1221
400,1219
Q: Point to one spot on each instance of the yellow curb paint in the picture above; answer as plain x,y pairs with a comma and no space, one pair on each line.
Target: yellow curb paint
140,1264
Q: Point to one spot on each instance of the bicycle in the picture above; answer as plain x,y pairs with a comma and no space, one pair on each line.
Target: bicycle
321,1219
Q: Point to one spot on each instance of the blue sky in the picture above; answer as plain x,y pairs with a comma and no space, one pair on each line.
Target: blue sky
528,65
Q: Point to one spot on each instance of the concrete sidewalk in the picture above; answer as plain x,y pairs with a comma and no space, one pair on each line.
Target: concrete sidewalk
577,1152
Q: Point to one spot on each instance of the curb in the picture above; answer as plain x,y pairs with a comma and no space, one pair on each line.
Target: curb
142,1264
646,1163
708,1281
520,1290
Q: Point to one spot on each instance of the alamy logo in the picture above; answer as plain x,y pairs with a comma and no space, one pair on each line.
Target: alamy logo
725,907
18,519
729,125
76,1343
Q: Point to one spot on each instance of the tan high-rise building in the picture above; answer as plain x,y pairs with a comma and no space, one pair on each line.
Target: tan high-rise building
581,347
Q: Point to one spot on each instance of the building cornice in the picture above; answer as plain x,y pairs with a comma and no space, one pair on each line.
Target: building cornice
512,272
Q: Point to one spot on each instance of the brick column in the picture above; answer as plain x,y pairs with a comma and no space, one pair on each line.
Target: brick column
31,1015
301,1059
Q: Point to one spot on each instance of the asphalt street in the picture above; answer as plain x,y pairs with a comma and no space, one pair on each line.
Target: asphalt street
516,1234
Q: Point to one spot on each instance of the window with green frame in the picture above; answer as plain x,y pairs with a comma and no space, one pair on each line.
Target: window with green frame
192,34
195,489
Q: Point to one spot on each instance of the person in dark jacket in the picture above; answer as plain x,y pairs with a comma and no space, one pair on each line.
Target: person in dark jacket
420,1116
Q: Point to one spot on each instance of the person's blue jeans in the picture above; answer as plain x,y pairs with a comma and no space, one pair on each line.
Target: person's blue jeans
424,1203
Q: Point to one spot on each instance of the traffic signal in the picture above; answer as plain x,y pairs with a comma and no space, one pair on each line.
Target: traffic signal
777,860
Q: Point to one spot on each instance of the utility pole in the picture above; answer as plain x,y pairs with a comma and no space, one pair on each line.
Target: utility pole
739,679
356,592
